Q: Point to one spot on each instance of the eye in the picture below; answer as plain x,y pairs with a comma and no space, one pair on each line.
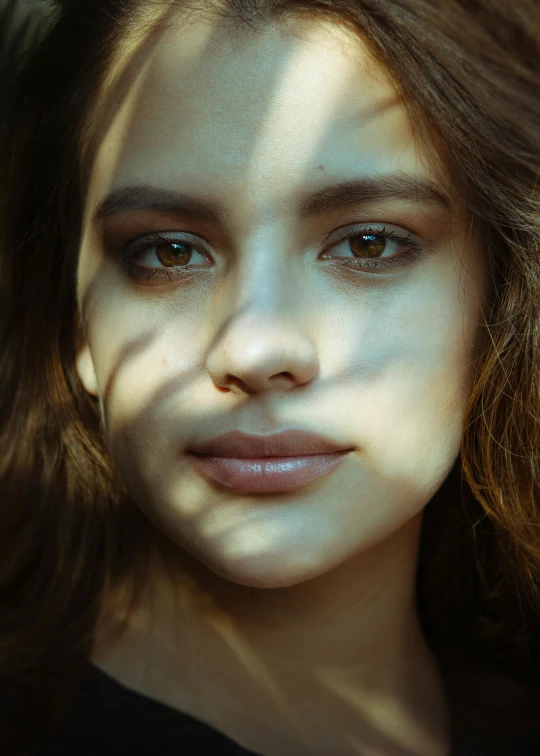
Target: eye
370,245
169,253
142,258
377,248
162,256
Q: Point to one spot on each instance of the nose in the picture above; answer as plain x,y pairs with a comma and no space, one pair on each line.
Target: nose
260,351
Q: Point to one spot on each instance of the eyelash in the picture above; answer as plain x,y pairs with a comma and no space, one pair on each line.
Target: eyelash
127,255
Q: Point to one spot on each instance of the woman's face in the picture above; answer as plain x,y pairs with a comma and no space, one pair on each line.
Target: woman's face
256,319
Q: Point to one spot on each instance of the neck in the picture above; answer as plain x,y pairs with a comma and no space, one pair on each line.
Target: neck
343,647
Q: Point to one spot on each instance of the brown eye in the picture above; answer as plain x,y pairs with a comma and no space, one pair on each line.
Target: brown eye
367,245
173,253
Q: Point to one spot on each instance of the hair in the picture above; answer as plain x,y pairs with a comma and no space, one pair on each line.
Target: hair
73,543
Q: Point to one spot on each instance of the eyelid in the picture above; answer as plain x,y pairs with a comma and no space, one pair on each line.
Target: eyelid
362,226
139,242
335,234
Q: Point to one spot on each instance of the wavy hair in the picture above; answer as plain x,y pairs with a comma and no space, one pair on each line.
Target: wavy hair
72,542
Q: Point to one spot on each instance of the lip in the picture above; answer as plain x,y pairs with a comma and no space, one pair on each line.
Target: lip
293,443
267,464
267,474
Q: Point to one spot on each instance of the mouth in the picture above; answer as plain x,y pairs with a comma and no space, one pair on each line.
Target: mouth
266,474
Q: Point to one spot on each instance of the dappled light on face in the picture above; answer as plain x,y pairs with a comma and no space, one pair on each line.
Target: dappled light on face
260,335
263,337
278,134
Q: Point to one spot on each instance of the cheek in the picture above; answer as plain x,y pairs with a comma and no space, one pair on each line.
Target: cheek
415,401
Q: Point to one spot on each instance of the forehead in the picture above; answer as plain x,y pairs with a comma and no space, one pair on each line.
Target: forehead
253,112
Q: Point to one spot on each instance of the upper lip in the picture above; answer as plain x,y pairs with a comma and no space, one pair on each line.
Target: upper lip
293,443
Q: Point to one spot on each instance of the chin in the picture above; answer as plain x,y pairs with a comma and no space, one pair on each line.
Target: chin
271,571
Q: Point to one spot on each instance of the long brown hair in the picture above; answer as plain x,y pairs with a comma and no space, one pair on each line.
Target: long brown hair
72,543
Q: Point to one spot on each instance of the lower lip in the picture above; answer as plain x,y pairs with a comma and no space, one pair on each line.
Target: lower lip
267,474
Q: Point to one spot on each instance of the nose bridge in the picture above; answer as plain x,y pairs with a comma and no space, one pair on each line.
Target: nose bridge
265,274
261,341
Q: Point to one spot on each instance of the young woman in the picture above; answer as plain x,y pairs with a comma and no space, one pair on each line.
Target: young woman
269,372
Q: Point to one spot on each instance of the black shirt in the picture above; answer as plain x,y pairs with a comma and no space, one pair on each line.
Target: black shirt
109,718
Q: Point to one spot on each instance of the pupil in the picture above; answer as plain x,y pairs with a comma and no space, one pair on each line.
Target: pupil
371,244
173,253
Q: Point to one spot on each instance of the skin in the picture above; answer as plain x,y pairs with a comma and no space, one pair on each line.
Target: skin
313,607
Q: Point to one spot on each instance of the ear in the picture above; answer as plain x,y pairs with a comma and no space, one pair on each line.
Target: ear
84,364
85,370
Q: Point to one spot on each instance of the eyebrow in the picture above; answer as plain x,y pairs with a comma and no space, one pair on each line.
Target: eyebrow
359,191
